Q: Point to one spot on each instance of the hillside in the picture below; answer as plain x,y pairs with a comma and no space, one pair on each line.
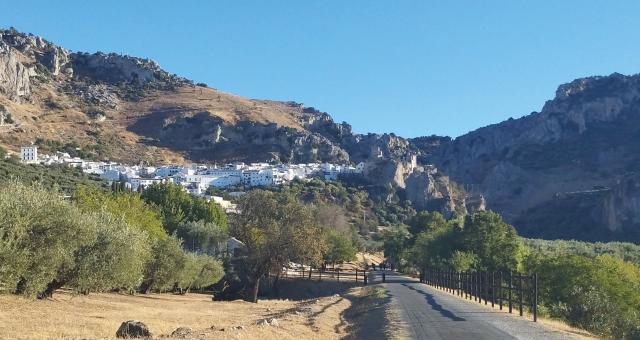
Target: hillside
569,171
132,110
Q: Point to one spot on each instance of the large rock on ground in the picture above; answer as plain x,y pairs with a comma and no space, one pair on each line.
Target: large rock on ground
133,329
182,333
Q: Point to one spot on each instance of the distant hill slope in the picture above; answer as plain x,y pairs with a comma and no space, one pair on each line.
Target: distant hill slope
570,171
132,110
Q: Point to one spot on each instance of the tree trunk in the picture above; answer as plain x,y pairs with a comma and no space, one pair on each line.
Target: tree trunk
276,287
145,287
51,287
256,286
21,286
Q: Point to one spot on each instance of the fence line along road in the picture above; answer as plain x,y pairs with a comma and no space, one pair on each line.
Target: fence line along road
337,274
492,287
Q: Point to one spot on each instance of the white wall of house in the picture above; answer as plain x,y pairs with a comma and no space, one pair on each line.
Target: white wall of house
29,154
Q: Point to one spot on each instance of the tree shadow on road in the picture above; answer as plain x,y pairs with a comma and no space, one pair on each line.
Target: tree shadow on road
367,314
435,305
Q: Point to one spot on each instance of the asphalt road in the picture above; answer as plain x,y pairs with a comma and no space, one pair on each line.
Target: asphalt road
427,313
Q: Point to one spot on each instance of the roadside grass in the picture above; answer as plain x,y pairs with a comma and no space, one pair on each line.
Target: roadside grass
98,316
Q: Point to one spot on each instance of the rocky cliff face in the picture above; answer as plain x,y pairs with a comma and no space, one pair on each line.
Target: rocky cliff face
570,164
141,106
14,77
569,171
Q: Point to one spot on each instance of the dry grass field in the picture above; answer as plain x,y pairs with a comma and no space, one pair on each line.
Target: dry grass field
98,316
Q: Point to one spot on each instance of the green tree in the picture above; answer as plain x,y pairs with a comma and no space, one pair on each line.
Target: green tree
126,205
200,271
493,241
164,270
275,229
426,221
395,244
115,260
39,236
599,294
177,206
340,248
201,236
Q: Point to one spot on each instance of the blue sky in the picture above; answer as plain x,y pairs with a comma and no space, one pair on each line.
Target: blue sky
409,67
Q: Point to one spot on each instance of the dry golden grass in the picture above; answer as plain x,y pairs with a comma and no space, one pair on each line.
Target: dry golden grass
98,316
67,121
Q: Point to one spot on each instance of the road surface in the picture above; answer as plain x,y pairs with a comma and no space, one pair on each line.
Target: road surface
427,313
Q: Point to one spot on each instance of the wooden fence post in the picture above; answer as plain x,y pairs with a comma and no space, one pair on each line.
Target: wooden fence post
493,288
535,297
486,288
500,290
510,289
521,293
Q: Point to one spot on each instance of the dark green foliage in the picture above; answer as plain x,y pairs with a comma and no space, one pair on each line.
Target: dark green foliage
177,206
163,271
426,220
63,177
276,229
46,242
204,237
482,241
551,248
340,248
493,241
600,294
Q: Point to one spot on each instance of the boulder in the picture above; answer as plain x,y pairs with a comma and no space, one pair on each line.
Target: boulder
182,332
268,322
133,329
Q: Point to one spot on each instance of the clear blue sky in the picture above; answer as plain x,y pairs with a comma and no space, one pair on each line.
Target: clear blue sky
409,67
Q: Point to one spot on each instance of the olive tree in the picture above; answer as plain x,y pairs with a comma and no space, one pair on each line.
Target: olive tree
163,270
200,271
115,260
39,236
275,229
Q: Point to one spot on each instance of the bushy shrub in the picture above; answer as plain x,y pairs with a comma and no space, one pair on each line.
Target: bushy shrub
600,294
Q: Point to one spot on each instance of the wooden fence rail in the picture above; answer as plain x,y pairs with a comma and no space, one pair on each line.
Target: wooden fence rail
497,288
337,274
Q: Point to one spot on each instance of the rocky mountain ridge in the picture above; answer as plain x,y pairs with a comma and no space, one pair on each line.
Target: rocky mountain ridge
574,163
569,171
129,109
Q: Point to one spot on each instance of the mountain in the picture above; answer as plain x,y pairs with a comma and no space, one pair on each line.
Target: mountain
130,109
569,171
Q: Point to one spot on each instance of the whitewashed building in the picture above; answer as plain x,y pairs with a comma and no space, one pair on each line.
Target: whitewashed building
29,154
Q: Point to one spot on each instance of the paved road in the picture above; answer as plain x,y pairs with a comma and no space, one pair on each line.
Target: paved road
428,313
